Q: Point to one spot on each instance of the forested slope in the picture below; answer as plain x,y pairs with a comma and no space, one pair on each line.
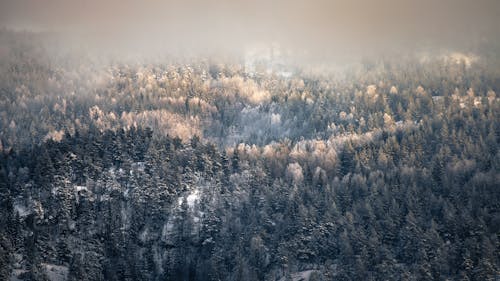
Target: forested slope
200,170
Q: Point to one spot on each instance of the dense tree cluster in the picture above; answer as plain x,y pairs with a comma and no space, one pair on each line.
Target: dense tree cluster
200,170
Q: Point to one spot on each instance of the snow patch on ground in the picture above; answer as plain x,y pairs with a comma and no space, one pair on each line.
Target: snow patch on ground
80,188
22,210
143,236
300,276
56,272
158,257
125,215
167,230
139,166
193,198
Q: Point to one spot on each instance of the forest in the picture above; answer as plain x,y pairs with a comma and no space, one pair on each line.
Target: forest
230,168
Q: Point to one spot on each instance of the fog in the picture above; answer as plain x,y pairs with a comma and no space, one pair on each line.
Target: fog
323,28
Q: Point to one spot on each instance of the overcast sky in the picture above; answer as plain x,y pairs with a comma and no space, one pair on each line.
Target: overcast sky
320,25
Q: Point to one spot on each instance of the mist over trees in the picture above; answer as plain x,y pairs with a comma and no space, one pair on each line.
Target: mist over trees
205,169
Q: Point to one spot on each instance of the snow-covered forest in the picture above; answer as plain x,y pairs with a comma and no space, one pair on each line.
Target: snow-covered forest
244,169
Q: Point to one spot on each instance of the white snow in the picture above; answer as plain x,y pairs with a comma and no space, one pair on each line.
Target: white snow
56,272
71,225
193,198
80,188
139,166
300,276
22,210
167,229
208,241
158,259
275,119
143,236
125,215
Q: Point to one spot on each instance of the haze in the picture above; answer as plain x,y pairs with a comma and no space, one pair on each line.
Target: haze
320,26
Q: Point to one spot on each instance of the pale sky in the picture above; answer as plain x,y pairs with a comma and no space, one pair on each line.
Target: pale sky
314,24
